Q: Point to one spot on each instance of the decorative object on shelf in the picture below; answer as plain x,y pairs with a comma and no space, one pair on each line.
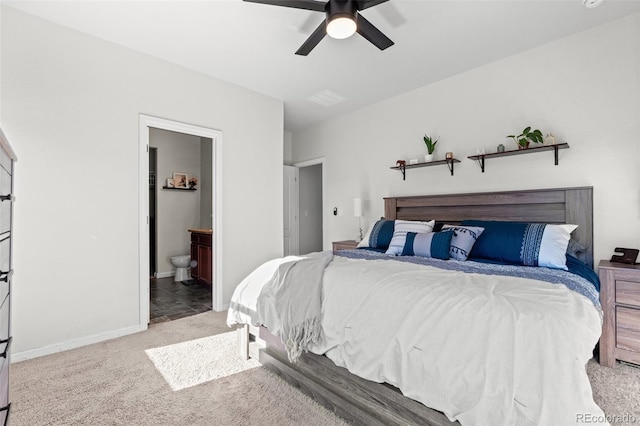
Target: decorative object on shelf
431,147
449,155
527,136
357,212
481,157
193,181
170,183
549,139
180,180
500,148
413,161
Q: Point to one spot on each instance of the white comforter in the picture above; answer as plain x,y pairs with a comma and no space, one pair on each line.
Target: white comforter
485,350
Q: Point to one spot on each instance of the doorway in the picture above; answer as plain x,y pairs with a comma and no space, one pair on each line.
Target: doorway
310,209
146,124
307,209
179,292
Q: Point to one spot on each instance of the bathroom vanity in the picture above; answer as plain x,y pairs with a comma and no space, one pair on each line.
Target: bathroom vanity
202,268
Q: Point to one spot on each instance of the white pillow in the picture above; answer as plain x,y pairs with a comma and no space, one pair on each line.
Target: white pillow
553,247
400,233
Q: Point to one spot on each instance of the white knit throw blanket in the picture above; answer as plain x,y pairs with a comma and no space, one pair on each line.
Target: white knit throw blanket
290,304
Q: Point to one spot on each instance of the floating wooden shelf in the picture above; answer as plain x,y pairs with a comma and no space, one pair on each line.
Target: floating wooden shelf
180,189
450,162
481,157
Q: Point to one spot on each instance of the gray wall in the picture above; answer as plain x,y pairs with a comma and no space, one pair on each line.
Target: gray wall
310,208
205,186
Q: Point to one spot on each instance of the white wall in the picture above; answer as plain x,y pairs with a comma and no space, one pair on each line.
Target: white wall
288,153
584,89
176,211
71,106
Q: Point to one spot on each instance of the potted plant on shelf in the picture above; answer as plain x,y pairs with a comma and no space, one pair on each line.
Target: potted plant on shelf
527,136
431,146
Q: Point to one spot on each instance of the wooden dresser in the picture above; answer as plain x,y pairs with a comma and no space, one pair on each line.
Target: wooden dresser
7,158
201,259
620,299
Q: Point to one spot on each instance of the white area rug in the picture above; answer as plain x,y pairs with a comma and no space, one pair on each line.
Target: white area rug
191,363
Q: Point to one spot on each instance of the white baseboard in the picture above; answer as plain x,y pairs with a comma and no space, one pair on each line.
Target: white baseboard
165,274
74,343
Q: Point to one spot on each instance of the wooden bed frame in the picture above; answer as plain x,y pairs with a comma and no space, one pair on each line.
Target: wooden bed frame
363,402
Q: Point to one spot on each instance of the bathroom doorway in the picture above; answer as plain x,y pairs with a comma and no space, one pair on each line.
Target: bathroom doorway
151,220
178,160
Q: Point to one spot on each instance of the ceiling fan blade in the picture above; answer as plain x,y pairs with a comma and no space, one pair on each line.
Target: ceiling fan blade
313,39
365,4
318,6
367,30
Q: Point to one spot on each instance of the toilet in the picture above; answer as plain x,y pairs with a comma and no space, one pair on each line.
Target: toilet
182,267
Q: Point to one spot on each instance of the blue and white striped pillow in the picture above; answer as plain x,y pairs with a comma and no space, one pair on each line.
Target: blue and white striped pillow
396,246
428,244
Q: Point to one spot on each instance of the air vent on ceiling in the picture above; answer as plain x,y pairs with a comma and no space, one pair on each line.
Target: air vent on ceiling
327,98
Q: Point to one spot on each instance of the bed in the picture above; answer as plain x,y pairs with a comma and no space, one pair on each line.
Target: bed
511,352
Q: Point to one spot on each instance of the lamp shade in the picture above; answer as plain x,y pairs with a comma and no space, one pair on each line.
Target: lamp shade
357,207
341,26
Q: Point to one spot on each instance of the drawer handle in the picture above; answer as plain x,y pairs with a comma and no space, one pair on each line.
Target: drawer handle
8,197
6,276
6,348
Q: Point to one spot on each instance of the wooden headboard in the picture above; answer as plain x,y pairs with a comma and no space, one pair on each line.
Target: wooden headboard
560,205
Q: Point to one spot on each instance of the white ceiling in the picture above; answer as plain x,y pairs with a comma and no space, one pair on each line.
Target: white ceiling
252,45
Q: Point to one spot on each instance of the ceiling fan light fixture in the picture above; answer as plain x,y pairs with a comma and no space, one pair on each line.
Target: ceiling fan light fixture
341,26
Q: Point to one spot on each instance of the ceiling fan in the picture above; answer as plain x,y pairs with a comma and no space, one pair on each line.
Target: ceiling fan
342,21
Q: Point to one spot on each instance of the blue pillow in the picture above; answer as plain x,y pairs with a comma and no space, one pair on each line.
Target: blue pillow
521,243
428,244
379,235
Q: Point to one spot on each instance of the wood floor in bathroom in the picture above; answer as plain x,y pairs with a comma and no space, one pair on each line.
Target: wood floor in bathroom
171,300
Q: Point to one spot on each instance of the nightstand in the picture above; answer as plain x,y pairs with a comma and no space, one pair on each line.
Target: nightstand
620,299
344,245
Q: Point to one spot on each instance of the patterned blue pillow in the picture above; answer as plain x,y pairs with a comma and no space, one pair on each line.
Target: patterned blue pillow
428,244
379,235
464,237
520,243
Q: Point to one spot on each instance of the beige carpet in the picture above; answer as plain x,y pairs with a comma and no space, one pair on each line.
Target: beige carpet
116,383
128,381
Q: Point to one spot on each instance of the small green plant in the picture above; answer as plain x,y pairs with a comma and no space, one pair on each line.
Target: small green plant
430,143
527,136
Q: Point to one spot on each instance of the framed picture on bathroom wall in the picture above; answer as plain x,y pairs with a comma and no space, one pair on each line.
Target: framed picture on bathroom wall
180,180
170,183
